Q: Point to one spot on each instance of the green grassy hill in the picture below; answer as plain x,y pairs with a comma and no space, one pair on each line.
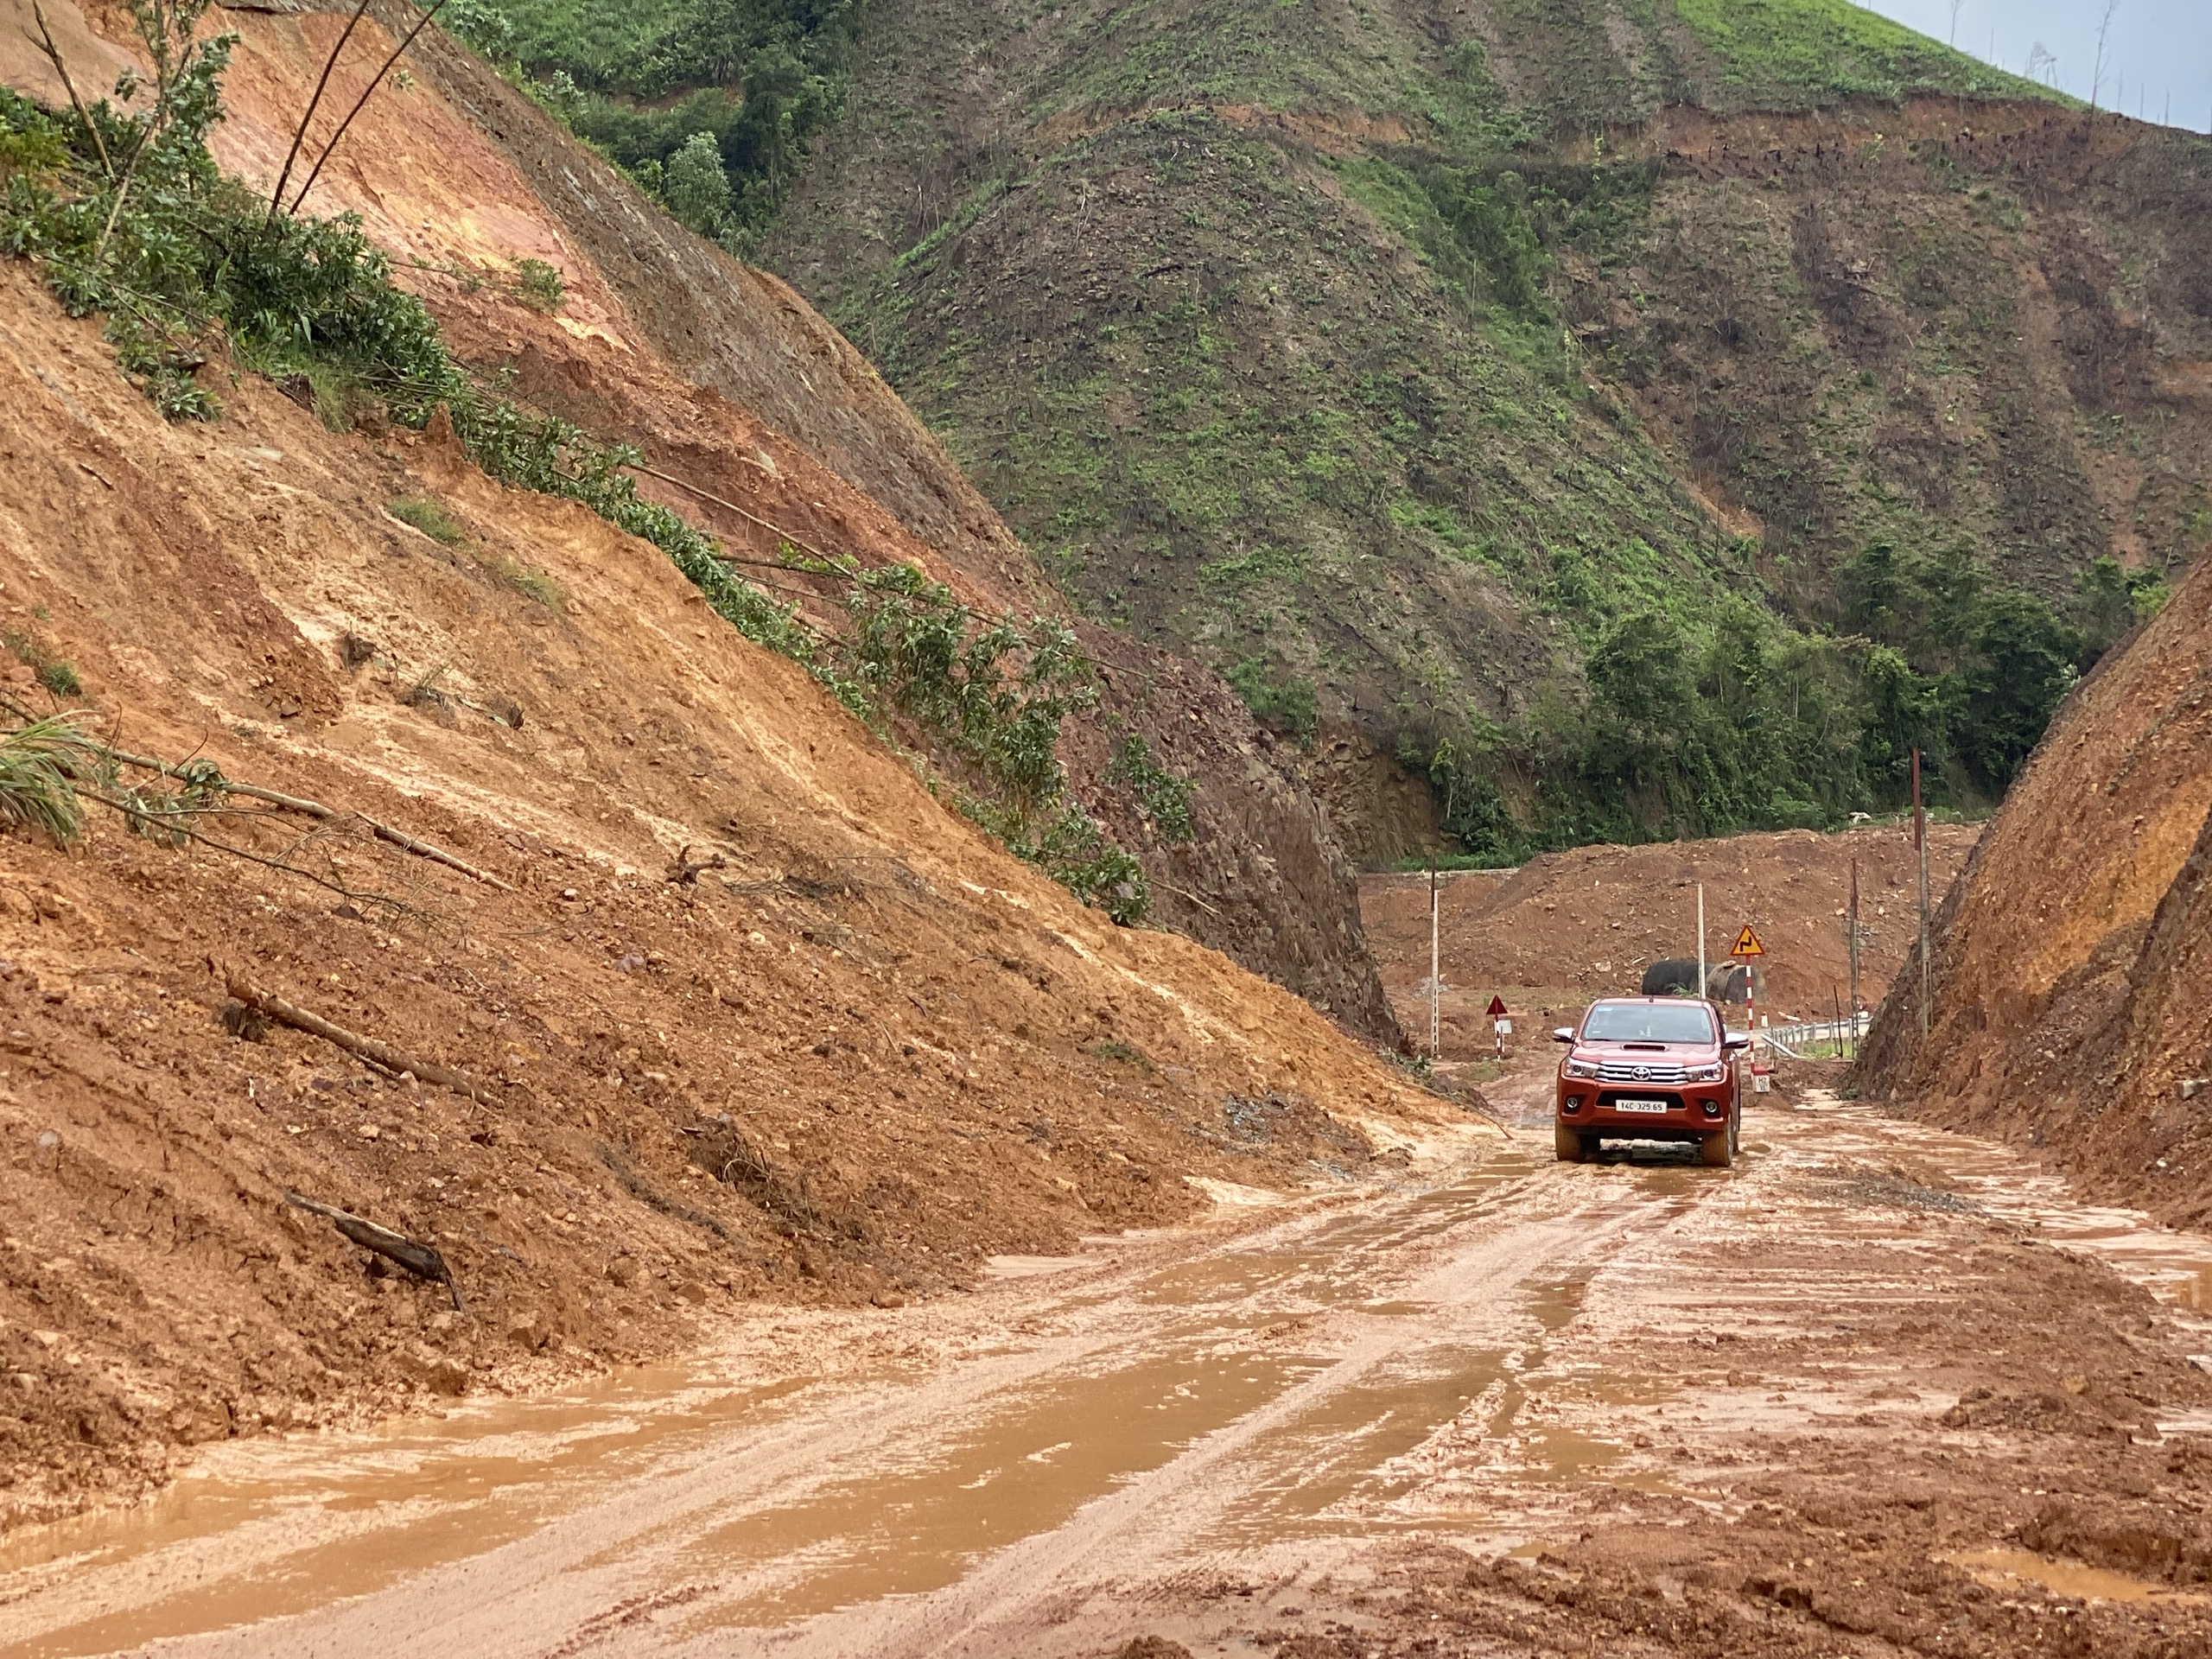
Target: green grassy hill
1631,418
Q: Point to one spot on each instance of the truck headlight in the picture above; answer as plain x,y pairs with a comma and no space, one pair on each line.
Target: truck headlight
1707,1073
1581,1068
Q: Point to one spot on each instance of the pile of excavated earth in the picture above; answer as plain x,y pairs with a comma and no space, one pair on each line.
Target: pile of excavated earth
706,998
1569,926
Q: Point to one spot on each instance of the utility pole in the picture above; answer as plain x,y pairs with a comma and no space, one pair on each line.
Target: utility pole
1919,844
1854,958
1435,971
1702,989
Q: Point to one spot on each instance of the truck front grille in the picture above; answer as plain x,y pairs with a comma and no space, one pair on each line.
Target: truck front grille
1641,1073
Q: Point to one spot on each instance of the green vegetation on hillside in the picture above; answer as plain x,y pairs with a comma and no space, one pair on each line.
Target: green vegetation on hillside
1795,54
1391,371
1395,374
709,104
124,214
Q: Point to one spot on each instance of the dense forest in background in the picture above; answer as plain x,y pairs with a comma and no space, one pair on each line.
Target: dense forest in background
710,105
1465,511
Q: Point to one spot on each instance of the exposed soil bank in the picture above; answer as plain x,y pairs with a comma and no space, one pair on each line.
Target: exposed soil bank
2072,1006
860,1053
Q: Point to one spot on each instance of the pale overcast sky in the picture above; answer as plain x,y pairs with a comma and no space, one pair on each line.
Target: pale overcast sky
2158,49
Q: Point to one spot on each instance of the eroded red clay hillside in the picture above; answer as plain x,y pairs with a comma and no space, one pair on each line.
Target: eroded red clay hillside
779,430
859,1049
2071,1007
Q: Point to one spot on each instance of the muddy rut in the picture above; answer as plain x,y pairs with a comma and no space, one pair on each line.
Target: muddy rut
1876,1377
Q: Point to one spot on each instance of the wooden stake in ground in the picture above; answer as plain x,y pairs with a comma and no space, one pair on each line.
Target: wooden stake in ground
1703,989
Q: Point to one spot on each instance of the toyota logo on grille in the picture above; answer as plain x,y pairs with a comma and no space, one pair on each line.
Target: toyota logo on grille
1642,1073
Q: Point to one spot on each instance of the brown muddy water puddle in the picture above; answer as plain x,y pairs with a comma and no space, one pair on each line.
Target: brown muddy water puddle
2007,1569
346,1515
1025,1470
265,1529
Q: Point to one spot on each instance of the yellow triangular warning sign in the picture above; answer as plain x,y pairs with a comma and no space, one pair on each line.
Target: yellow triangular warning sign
1747,944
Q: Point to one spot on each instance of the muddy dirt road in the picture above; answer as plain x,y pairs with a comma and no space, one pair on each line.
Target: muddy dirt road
1876,1390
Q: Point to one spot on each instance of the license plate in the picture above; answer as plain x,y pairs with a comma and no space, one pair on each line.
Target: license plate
1640,1105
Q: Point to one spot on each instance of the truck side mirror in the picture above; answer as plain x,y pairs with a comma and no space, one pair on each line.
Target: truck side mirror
1563,1034
1736,1039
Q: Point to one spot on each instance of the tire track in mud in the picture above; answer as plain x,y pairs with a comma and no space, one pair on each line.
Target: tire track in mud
1178,1502
635,1571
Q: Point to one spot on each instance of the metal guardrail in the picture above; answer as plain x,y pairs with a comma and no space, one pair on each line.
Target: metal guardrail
1793,1040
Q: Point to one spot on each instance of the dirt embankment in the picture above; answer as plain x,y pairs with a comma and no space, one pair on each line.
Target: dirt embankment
778,430
860,1051
1587,923
2070,1007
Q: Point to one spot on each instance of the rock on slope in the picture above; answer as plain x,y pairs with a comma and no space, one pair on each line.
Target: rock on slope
2071,1006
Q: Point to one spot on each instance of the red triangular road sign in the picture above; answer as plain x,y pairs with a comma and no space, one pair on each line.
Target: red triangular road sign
1497,1007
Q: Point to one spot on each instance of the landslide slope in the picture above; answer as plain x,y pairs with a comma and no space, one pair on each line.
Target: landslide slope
840,1051
2070,1007
867,1049
779,430
1387,359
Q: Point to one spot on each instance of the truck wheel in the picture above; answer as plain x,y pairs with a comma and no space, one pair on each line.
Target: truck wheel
1719,1151
1570,1146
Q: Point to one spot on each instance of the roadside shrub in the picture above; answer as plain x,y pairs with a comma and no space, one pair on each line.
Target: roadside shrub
539,285
41,764
997,694
1164,797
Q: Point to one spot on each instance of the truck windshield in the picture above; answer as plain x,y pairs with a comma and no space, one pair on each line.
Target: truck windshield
1647,1022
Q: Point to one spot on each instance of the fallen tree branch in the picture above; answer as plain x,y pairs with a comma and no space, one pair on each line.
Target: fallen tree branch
45,43
1171,887
368,1048
423,1261
300,134
384,832
709,495
301,805
368,92
139,814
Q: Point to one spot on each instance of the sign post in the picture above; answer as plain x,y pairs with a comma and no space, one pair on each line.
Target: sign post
1854,959
1501,1025
1747,950
1920,847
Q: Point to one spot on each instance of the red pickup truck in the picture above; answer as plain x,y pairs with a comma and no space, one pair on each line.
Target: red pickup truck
1649,1068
